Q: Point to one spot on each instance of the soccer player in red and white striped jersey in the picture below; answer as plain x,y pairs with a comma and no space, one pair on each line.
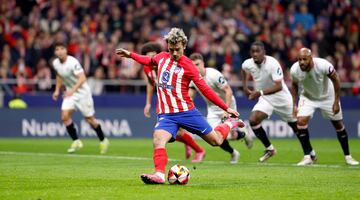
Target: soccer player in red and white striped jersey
151,49
175,108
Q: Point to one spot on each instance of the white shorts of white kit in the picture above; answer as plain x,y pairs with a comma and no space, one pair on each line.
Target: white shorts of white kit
284,112
85,105
307,107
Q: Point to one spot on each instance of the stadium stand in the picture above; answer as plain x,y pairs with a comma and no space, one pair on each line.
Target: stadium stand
220,30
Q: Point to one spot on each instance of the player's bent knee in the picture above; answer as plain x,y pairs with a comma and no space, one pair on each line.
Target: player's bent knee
302,123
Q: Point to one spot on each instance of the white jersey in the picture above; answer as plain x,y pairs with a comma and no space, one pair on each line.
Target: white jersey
68,72
265,76
316,84
217,82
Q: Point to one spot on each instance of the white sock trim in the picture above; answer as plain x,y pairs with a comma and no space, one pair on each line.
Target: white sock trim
161,175
271,147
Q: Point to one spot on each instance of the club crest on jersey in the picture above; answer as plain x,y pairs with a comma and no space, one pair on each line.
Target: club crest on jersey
177,70
165,76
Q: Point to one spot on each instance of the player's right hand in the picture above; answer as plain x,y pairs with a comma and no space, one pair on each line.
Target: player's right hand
123,52
55,95
147,110
232,112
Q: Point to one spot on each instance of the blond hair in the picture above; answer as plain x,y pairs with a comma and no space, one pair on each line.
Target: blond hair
175,36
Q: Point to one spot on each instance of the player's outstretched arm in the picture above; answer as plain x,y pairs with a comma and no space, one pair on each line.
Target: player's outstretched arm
144,60
123,52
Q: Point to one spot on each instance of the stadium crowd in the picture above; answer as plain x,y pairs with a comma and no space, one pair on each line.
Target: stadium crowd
222,31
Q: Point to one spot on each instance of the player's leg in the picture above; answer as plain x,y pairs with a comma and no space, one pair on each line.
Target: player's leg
86,106
215,120
306,109
256,118
343,140
104,142
160,158
184,137
217,136
165,131
338,124
67,109
304,138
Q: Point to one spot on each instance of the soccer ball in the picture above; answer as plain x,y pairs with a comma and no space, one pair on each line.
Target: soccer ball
178,174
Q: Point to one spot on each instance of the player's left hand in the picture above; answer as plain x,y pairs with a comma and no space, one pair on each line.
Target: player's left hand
336,108
254,95
232,112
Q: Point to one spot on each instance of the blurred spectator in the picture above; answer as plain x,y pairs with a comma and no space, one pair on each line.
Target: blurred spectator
21,87
96,82
43,76
21,68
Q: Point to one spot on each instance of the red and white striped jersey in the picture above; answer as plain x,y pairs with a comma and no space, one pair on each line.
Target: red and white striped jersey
173,79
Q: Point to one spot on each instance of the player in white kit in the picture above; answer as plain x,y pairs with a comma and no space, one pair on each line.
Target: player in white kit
270,89
218,83
320,89
76,96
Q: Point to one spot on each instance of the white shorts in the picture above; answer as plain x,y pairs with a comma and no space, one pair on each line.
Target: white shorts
284,112
85,105
307,107
214,114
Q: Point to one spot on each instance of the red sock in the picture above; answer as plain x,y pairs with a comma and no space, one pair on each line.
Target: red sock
223,129
160,159
188,140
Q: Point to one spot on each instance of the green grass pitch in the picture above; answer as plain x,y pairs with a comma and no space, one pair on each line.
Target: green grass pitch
41,169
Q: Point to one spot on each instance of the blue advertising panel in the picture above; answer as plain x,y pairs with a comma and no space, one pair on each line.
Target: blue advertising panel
130,122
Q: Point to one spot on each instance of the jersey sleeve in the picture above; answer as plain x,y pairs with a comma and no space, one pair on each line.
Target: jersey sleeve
144,60
219,80
327,68
245,66
77,68
276,71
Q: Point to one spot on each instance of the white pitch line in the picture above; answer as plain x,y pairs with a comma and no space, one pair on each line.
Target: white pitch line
144,158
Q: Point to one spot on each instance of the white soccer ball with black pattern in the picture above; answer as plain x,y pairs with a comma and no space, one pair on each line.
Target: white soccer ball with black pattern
178,174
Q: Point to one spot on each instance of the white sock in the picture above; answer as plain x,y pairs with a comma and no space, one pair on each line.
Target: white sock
271,147
313,153
161,175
